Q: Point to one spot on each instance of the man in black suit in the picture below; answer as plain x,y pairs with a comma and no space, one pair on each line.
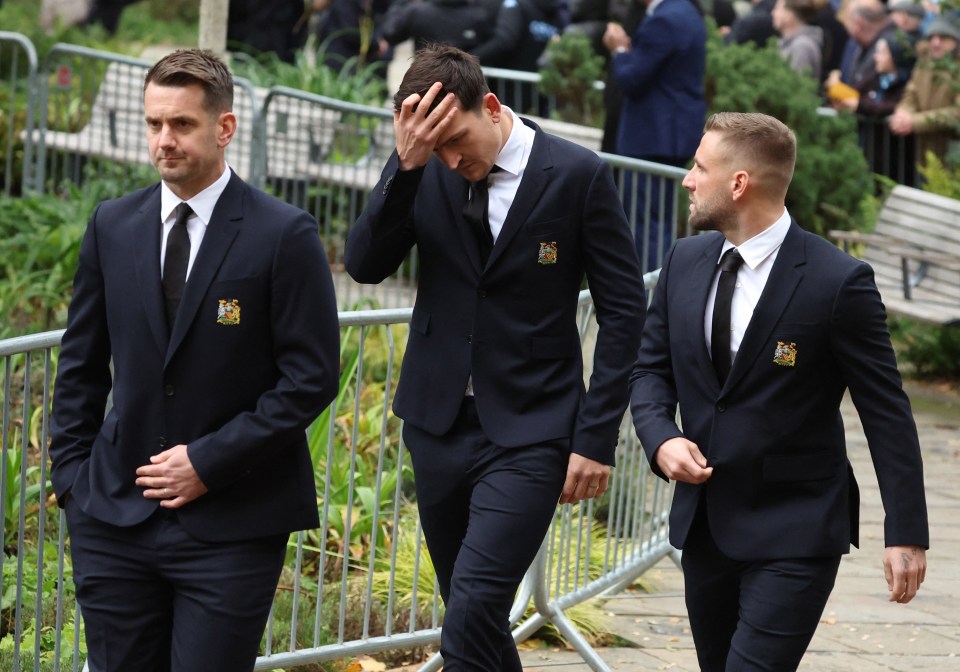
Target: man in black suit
758,357
180,501
507,220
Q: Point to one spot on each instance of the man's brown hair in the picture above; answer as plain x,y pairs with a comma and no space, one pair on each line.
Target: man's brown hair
195,66
458,71
760,144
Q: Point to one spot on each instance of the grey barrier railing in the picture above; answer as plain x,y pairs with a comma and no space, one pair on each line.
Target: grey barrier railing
362,583
520,90
325,156
91,121
18,68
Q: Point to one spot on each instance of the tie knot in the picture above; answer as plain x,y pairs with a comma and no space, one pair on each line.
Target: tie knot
731,261
183,213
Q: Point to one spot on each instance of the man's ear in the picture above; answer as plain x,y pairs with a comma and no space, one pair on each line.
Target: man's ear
228,126
492,105
741,183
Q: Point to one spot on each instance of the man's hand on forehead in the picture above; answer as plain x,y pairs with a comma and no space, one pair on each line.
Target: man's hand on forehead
418,127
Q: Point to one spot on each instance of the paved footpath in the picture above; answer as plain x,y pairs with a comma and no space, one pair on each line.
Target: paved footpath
860,631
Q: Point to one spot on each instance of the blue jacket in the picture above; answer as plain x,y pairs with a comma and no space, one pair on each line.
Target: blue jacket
662,81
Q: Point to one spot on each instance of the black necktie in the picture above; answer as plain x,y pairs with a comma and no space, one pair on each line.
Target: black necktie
476,212
175,262
720,334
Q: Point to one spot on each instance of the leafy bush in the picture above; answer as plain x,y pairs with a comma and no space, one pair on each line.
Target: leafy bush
831,177
926,351
39,246
573,67
353,83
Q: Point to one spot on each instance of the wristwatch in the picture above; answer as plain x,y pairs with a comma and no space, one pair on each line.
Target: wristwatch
621,50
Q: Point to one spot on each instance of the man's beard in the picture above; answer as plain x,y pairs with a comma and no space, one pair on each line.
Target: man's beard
713,216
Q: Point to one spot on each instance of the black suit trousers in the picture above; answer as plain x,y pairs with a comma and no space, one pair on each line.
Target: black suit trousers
748,616
134,582
484,510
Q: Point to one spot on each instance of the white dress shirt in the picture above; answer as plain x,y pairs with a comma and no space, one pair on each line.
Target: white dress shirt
202,205
758,254
512,161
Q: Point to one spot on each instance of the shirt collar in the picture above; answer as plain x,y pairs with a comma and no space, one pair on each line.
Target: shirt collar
202,204
511,158
762,245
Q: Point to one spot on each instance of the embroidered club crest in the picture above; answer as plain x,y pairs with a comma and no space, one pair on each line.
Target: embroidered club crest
228,312
548,253
785,354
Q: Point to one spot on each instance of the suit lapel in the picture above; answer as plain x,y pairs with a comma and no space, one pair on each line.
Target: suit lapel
221,231
535,180
701,279
149,232
777,293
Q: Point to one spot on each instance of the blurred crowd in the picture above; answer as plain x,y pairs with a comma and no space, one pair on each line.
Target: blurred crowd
890,64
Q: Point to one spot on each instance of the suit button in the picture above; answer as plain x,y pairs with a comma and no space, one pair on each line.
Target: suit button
470,338
722,407
482,293
386,185
168,390
162,441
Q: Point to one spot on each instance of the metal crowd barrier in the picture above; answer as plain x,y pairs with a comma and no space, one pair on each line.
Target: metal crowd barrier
360,584
325,156
520,90
90,122
18,68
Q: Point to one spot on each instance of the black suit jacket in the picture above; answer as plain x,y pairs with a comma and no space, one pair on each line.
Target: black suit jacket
240,395
782,485
512,323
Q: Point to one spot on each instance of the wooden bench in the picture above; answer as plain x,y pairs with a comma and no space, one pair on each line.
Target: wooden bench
915,253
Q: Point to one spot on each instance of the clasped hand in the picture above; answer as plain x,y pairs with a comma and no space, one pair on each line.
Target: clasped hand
171,478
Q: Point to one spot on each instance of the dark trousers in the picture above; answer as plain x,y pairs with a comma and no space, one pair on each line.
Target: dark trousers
154,599
751,616
484,511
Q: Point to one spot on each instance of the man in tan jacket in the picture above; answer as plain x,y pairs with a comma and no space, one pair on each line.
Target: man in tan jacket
930,107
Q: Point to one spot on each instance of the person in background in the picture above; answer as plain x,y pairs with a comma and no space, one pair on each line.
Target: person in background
660,70
866,22
257,28
800,43
755,26
348,29
521,32
204,309
464,24
508,221
930,107
756,331
908,16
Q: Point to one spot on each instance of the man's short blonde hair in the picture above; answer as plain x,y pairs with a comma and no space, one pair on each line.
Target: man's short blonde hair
759,144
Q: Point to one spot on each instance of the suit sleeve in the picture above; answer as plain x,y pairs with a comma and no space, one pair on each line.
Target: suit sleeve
83,371
616,286
653,390
643,65
861,344
306,348
379,240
